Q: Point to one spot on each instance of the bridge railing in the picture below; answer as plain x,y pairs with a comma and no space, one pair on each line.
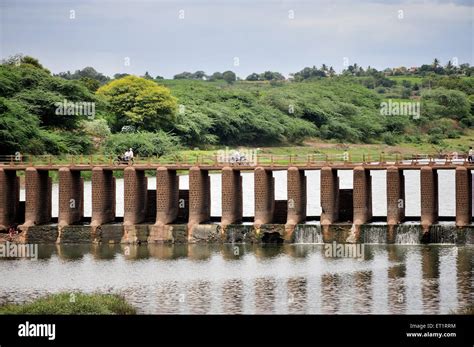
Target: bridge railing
263,159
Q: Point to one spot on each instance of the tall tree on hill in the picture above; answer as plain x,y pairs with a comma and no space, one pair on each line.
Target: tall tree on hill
229,77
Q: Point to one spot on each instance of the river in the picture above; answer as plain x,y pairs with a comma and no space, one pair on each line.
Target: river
234,279
264,279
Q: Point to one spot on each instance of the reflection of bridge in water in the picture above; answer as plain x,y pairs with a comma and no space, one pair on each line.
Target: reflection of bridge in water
201,279
168,204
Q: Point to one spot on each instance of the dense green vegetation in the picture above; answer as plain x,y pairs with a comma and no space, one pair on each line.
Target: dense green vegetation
29,121
157,116
76,303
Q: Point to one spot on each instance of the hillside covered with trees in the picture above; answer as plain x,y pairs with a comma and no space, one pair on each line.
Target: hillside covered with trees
40,114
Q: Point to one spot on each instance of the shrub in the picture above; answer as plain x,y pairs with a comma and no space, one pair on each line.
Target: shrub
96,128
436,139
389,138
144,144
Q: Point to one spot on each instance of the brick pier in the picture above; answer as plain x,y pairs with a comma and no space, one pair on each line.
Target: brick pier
9,198
264,196
429,196
231,196
103,196
199,196
71,196
38,187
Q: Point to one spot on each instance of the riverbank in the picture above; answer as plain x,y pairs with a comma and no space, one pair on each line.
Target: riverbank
72,303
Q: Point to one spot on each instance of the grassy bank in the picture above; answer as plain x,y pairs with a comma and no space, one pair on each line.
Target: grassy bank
72,303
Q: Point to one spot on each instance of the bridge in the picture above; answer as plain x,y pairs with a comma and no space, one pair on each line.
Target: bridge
169,203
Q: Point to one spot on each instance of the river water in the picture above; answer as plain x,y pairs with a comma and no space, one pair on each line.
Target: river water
379,202
234,279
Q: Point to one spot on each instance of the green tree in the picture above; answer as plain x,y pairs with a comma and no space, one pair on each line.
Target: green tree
120,75
183,76
19,59
252,77
229,77
147,76
88,72
444,103
90,83
271,76
216,76
19,129
139,102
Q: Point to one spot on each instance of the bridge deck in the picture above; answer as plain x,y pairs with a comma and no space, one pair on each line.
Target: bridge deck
313,166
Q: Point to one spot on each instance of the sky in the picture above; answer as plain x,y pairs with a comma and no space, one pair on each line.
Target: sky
167,37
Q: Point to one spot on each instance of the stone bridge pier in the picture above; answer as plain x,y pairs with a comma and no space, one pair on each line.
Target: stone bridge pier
296,196
429,196
199,196
362,195
463,196
38,186
329,191
167,196
103,196
232,202
395,196
9,198
264,187
71,197
135,196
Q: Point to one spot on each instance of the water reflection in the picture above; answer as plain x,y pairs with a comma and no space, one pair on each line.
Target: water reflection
330,293
465,284
363,294
430,287
246,279
233,296
265,295
396,280
297,294
198,297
